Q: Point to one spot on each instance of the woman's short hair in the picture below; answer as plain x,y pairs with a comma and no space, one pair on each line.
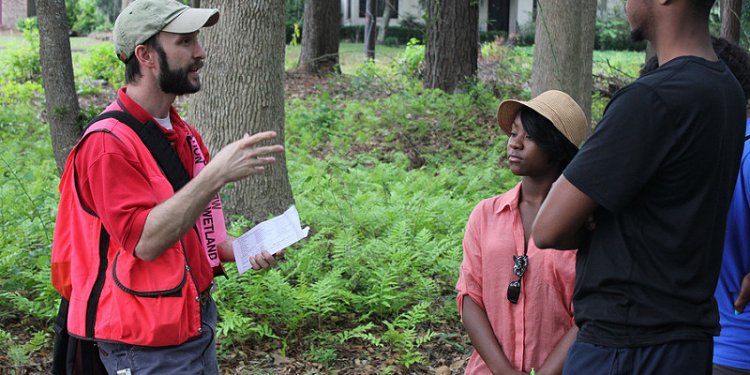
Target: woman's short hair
555,146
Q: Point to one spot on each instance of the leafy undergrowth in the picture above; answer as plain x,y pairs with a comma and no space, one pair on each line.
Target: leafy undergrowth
384,171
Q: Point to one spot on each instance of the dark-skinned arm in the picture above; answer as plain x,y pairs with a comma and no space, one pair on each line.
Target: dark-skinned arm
553,365
744,296
560,221
483,339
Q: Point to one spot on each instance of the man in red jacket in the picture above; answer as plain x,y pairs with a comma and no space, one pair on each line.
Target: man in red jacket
140,232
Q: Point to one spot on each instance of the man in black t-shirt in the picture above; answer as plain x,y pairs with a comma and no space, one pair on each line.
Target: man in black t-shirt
657,177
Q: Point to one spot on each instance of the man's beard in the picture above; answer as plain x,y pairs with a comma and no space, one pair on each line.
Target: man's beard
637,35
176,81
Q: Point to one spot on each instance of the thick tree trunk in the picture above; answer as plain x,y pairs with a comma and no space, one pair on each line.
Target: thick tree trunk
125,3
371,8
243,92
563,49
320,37
195,3
386,20
57,73
731,12
452,43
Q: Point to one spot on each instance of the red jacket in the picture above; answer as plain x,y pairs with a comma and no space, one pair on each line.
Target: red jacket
148,303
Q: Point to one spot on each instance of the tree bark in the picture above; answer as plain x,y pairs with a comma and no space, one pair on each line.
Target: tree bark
731,12
452,43
563,49
125,3
63,110
383,31
650,51
320,37
243,92
195,3
371,8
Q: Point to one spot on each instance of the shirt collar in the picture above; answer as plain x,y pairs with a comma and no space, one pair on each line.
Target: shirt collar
140,114
508,200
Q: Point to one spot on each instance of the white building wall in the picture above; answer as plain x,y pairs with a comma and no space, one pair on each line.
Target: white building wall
523,14
483,10
520,13
405,7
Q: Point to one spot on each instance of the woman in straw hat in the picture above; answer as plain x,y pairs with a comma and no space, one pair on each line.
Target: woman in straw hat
519,313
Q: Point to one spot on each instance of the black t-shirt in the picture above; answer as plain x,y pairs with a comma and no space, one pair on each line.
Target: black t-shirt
661,164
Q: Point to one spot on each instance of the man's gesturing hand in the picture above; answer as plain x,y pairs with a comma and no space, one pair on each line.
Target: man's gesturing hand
242,158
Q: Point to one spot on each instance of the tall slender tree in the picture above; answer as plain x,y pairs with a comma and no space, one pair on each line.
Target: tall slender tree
731,14
63,110
563,49
388,12
320,37
243,92
452,43
371,11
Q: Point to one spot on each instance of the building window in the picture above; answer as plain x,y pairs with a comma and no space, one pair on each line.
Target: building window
381,8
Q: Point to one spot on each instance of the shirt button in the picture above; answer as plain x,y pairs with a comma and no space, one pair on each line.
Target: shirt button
200,329
197,298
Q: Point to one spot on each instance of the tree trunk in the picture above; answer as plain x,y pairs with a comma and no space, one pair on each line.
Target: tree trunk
452,43
125,3
650,51
386,20
195,3
731,11
563,49
63,110
320,37
371,8
243,92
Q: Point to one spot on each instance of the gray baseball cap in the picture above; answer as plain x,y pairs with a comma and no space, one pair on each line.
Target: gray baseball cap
143,19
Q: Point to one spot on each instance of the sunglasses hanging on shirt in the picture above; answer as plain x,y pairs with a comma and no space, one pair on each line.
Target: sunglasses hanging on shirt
520,262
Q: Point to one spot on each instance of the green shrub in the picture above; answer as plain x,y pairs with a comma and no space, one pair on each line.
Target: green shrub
84,17
412,58
20,62
614,34
101,63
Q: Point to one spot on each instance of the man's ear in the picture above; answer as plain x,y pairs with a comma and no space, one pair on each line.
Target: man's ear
146,55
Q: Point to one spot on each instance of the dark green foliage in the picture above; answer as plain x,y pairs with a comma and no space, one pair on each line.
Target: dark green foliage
614,34
101,63
402,35
20,62
489,36
84,17
109,8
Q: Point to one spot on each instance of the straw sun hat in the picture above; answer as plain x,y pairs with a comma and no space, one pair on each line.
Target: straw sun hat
556,106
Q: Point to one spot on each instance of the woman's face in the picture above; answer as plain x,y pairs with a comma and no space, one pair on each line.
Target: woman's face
525,157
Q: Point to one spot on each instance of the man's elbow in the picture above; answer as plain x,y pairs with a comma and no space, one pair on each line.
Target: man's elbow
544,240
546,237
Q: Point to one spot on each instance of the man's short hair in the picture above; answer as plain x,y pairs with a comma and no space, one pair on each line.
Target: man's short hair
132,67
703,6
735,57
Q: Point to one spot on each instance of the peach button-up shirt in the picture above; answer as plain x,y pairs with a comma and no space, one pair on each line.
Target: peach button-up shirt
529,330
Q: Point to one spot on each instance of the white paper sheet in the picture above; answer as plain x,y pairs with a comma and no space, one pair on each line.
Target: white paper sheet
271,235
